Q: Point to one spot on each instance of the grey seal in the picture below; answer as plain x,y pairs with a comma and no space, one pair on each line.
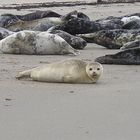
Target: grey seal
39,43
126,57
112,39
132,44
80,26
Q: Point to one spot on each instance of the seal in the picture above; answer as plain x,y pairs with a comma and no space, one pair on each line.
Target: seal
75,42
132,44
134,24
38,15
126,57
39,43
80,26
129,19
112,39
8,19
40,21
29,25
66,71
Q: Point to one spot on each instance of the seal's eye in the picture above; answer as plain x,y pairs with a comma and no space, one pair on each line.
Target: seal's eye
90,69
98,68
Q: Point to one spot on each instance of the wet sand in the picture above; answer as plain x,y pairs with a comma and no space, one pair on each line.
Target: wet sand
34,1
108,110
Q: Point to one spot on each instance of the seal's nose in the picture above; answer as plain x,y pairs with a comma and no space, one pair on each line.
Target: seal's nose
94,73
84,43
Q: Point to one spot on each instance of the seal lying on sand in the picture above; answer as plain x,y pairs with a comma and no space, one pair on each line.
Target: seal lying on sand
112,39
80,26
7,20
38,15
30,42
41,26
37,24
129,19
126,57
135,24
29,25
75,42
132,44
67,71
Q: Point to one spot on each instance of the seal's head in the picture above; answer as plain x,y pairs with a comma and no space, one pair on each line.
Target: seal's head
94,71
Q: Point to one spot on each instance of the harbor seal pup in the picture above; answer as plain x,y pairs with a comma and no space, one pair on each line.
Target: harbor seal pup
112,39
31,42
67,71
75,42
126,57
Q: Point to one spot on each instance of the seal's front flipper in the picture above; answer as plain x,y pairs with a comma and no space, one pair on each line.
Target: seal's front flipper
68,79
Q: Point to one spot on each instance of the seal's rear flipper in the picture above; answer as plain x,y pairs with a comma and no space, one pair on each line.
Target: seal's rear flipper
127,57
24,74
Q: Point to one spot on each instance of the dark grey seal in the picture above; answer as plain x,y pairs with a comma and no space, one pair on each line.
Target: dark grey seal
8,19
134,24
75,42
126,57
41,24
38,15
80,26
132,44
112,39
73,14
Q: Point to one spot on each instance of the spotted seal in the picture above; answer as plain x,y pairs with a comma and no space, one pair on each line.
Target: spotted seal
31,42
112,39
66,71
134,24
41,24
126,57
80,26
132,44
129,19
8,19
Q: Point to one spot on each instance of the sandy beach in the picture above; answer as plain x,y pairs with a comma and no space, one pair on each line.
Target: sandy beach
107,110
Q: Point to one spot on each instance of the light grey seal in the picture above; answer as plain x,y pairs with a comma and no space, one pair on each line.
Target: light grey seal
66,71
31,42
